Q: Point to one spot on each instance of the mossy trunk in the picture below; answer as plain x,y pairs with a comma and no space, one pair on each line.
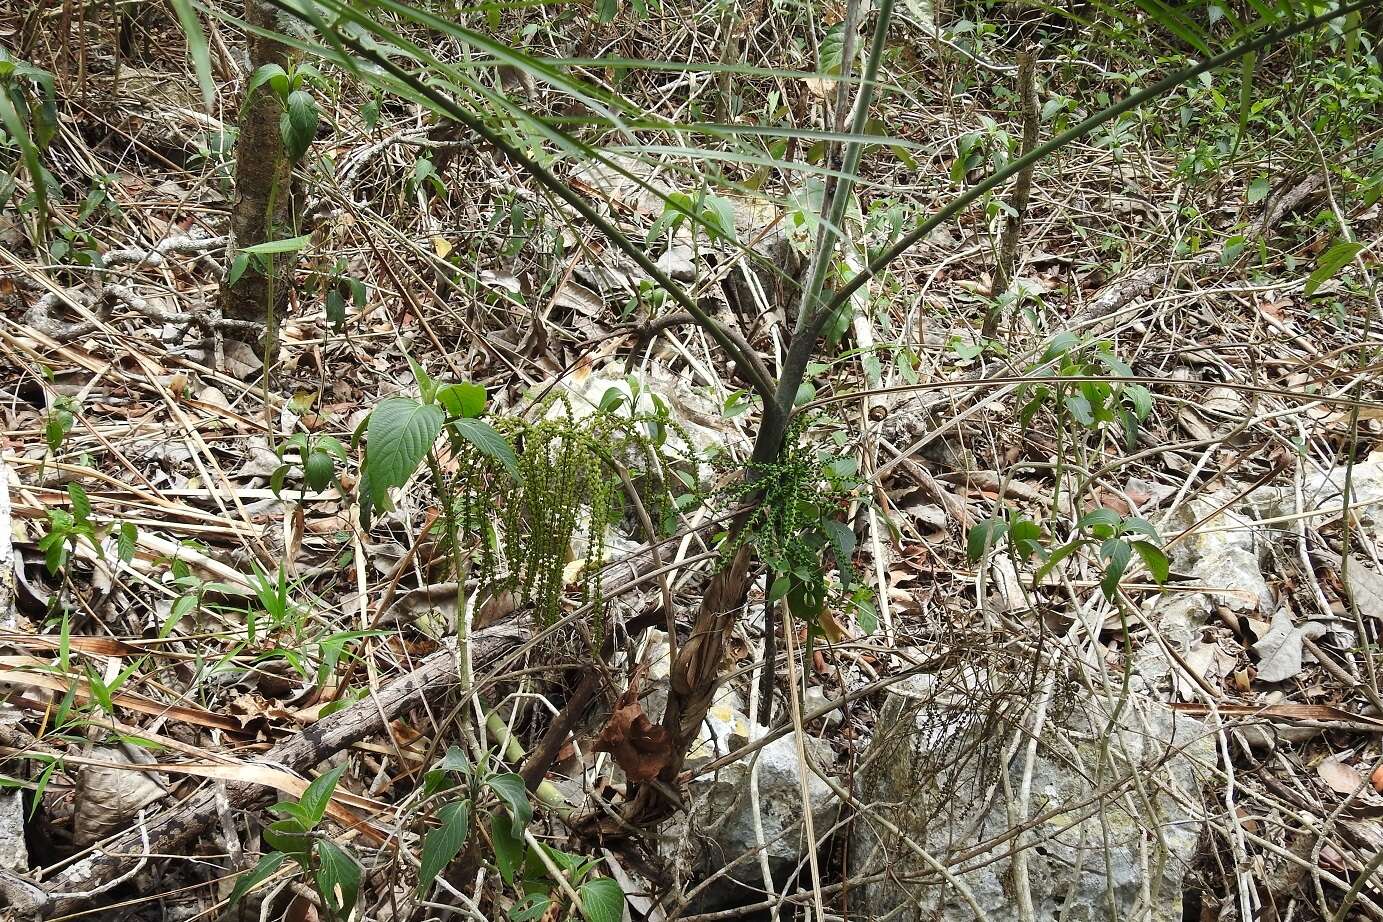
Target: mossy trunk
263,190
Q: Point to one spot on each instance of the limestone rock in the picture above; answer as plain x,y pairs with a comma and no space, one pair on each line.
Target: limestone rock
935,771
722,826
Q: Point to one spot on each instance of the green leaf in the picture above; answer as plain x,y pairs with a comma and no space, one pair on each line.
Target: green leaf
338,878
181,606
1258,190
298,125
508,847
1057,556
335,309
443,844
532,907
1140,398
1155,559
197,49
603,900
127,542
484,437
14,125
1097,517
271,74
1061,344
399,434
318,794
1335,259
842,538
780,588
318,470
1248,66
511,790
984,535
81,503
1080,409
288,836
273,247
464,399
1140,526
832,49
246,882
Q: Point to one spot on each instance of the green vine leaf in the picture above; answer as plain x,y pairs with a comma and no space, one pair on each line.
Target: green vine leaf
1335,259
399,434
484,437
338,878
511,790
443,844
250,879
603,900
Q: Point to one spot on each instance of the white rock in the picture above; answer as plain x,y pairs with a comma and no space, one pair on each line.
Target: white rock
1226,562
722,826
932,773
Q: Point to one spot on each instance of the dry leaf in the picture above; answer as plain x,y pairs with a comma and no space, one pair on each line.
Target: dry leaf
1339,777
109,796
640,747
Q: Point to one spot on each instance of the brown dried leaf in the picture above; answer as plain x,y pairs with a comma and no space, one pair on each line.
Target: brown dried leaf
1339,777
641,747
109,796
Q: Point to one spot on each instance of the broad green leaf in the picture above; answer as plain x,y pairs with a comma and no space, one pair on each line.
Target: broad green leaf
399,434
1097,517
780,588
197,49
443,844
1155,559
511,790
532,907
603,900
1057,556
181,606
318,470
983,536
463,399
1335,259
298,125
271,74
832,49
842,540
484,437
1248,67
288,836
508,847
19,134
81,503
268,864
1140,398
1258,190
1140,526
318,794
273,247
338,878
126,542
1079,407
1061,344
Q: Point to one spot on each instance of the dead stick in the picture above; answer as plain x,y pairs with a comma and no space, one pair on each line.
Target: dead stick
1022,189
73,887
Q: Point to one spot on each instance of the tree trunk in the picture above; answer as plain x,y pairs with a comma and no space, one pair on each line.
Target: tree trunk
263,194
693,684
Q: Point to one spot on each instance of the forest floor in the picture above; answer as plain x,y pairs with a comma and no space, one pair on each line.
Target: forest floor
209,607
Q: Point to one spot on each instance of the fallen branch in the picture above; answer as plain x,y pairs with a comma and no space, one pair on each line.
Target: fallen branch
76,885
